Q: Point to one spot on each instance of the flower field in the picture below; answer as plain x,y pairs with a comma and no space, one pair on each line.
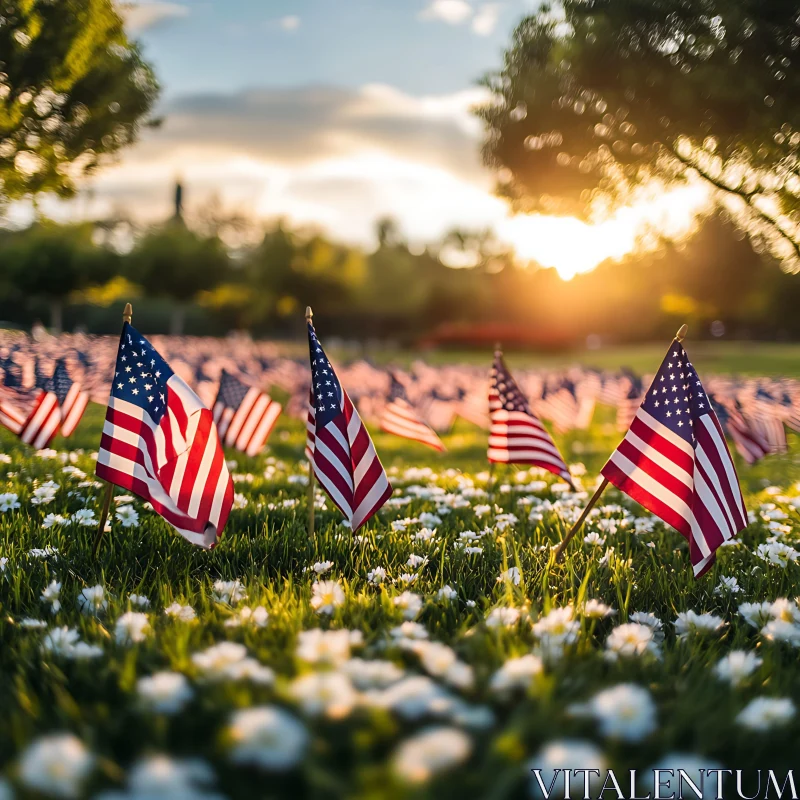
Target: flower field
440,652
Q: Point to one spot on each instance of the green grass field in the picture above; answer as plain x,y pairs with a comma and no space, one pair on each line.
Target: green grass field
476,658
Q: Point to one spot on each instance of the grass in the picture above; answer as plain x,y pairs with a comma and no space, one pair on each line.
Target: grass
352,750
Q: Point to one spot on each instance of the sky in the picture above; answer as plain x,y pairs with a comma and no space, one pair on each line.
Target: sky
334,113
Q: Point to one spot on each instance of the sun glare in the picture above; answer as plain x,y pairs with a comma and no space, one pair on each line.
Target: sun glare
573,247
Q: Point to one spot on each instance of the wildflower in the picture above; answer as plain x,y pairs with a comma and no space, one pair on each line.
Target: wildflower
512,574
32,624
58,764
84,517
736,666
164,692
52,594
516,673
409,631
53,519
625,711
728,585
229,592
560,758
44,494
316,646
447,593
373,674
324,693
594,539
321,567
756,614
255,617
266,737
502,617
127,516
764,713
595,609
631,639
777,553
9,501
132,627
326,597
180,612
239,500
689,622
409,603
160,777
779,630
376,576
430,753
229,661
415,561
92,601
139,600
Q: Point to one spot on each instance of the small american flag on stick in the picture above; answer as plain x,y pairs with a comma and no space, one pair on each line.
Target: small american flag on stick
674,461
244,415
400,418
341,452
516,436
56,404
160,442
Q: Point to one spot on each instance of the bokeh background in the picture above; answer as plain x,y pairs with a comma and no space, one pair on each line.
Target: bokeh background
424,173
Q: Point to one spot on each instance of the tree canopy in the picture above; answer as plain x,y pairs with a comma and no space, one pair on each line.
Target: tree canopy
598,98
73,89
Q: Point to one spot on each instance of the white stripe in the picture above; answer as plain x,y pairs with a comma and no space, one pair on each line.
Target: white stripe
253,418
75,414
31,430
725,459
240,416
657,457
335,494
334,461
204,470
264,429
374,494
663,430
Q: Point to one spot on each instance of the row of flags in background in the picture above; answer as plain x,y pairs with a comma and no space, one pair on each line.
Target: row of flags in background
164,441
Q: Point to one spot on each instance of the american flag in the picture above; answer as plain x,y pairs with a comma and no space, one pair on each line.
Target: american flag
244,416
674,461
560,405
750,445
161,442
765,416
516,435
439,411
56,403
341,452
629,404
72,398
400,418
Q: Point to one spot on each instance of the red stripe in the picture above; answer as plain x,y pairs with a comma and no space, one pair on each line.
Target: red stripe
616,476
679,457
658,473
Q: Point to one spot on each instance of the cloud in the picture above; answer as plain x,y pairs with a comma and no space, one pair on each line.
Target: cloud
453,12
331,157
290,23
145,15
485,21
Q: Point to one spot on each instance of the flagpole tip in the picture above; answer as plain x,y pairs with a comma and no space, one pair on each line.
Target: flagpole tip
309,314
127,314
682,331
498,347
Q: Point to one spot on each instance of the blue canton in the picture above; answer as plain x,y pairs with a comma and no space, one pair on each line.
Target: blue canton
231,391
676,397
60,383
396,391
141,375
324,383
511,398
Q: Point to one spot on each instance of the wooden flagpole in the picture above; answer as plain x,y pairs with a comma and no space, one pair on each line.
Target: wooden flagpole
127,315
679,337
312,480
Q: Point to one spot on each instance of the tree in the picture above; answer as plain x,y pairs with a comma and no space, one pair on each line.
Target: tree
73,90
54,261
174,263
599,98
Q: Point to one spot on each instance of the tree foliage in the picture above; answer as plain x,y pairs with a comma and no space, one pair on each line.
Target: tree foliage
73,90
598,98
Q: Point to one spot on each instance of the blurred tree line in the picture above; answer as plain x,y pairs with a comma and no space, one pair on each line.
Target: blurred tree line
190,280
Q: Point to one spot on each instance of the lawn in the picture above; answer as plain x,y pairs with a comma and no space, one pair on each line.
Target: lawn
438,653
